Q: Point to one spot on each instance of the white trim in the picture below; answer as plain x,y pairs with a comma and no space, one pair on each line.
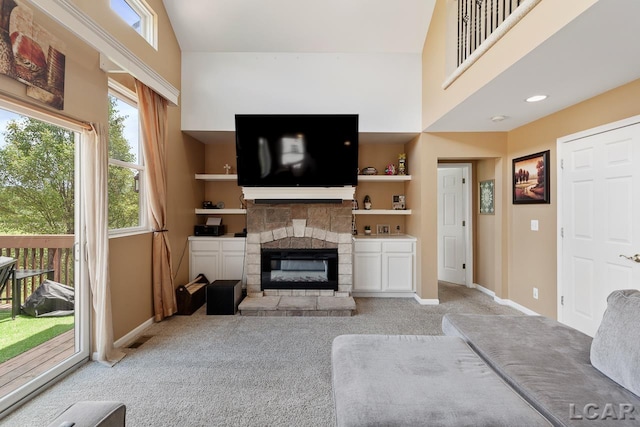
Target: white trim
131,336
484,290
84,27
292,193
559,195
421,301
515,305
368,294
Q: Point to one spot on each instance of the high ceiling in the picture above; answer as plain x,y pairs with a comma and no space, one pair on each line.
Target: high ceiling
596,52
330,26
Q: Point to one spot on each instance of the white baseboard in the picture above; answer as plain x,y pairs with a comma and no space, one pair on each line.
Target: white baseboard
365,294
434,301
506,302
484,290
131,336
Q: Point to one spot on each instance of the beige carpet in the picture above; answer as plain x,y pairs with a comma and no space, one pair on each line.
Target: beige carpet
204,370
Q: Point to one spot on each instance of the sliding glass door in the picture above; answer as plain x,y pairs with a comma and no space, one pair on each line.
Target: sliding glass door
44,306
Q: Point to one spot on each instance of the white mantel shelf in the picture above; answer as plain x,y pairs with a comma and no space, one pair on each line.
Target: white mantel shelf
217,177
381,211
384,178
221,211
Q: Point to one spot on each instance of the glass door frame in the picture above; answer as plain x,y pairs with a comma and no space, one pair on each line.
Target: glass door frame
82,312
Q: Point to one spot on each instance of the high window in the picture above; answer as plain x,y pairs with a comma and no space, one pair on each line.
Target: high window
126,163
139,16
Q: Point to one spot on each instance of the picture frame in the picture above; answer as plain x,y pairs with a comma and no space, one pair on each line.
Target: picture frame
487,197
382,228
531,179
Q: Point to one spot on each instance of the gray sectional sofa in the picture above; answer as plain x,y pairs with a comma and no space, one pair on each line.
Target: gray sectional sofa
494,371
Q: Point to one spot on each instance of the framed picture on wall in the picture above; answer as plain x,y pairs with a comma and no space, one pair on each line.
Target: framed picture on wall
487,195
531,179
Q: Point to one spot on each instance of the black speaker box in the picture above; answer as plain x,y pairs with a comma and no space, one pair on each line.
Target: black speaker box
223,296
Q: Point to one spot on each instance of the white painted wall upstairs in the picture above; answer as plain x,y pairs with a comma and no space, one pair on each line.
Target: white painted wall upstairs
384,89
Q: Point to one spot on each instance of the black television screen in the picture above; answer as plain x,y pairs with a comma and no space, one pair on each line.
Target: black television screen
297,150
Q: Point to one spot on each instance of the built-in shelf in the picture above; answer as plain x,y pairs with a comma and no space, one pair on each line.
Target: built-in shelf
221,211
384,178
217,177
381,212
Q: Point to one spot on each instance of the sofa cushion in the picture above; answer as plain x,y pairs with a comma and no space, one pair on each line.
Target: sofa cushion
615,350
391,380
548,364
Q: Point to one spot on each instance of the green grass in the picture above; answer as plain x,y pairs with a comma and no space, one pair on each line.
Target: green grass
25,332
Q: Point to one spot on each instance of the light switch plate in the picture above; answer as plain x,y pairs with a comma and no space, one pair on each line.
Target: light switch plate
534,225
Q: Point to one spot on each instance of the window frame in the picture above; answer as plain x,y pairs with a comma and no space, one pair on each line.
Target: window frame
148,21
126,95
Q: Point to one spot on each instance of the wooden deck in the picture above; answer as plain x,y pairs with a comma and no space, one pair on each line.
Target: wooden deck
23,368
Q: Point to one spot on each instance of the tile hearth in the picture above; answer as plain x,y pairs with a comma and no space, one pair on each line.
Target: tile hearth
297,306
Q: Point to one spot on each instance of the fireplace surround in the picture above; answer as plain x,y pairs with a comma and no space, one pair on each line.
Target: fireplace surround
295,225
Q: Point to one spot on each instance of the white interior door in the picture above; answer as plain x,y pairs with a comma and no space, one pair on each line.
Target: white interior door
600,204
451,232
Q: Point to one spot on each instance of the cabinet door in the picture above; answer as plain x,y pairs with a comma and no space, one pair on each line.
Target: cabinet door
205,262
232,266
366,272
397,272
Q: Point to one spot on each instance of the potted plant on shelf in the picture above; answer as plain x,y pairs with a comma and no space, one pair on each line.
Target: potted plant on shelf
367,230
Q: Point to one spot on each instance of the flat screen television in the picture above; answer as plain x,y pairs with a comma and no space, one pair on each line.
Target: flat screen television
297,150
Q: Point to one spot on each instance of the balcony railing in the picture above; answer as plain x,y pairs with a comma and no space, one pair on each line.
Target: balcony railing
480,24
39,252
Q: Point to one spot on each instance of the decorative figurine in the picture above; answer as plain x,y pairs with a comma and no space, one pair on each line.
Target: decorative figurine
390,169
367,202
354,205
227,168
402,164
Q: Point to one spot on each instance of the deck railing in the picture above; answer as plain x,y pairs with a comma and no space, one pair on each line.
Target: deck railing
40,252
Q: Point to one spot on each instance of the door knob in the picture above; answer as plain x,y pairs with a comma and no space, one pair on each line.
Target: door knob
635,257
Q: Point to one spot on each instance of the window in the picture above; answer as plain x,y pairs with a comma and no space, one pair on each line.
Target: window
139,16
126,163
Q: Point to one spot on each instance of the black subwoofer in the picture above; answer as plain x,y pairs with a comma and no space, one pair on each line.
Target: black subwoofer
223,296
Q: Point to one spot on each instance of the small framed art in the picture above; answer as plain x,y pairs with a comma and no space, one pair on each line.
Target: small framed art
487,197
531,179
382,228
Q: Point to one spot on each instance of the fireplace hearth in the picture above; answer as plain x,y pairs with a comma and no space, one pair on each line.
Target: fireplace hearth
299,269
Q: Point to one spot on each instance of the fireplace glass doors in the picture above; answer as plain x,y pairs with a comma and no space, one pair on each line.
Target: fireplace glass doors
299,269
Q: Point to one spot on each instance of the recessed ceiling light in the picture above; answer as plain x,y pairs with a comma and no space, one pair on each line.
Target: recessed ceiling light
498,118
536,98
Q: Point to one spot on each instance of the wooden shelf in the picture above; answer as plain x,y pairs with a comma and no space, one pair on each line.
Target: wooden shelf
217,177
384,178
381,212
221,211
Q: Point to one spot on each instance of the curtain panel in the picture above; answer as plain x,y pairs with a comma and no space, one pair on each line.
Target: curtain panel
154,122
94,152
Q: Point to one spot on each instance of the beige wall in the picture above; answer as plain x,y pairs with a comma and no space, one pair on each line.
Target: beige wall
543,21
533,255
85,86
459,147
484,247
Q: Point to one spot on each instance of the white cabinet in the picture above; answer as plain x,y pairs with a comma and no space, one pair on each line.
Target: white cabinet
384,266
218,258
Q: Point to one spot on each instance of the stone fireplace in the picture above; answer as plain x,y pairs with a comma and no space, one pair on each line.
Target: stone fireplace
292,224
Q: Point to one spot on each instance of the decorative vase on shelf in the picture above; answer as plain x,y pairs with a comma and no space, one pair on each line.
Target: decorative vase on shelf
367,202
402,164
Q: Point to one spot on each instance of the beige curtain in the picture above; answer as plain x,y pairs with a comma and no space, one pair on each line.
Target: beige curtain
94,152
154,122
